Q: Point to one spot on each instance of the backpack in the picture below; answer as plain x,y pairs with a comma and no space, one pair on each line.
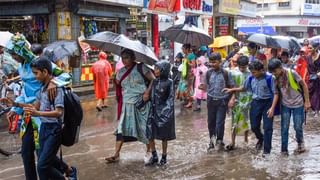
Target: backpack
268,79
140,70
73,115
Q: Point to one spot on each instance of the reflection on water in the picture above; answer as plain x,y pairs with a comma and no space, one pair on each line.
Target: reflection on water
187,155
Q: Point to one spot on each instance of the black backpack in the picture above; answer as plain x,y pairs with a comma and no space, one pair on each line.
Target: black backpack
73,115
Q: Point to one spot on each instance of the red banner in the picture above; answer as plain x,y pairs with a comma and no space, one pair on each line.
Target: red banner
167,6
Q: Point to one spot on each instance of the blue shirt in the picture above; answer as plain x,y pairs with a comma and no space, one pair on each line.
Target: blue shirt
31,86
217,83
45,105
260,88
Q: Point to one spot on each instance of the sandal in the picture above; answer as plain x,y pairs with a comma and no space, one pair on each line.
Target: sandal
105,106
230,147
112,159
98,108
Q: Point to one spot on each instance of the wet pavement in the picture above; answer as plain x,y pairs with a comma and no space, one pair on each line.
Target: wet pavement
187,155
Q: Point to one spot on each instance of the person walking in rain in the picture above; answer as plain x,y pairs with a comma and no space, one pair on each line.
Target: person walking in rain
18,47
265,97
185,88
216,79
200,71
161,122
294,102
240,103
314,80
133,105
101,75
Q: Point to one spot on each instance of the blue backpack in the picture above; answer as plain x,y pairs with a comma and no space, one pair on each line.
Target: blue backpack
268,78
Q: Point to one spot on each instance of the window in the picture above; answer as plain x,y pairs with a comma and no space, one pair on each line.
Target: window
265,5
284,4
312,1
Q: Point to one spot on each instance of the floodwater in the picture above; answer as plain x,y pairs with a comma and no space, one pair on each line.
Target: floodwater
187,155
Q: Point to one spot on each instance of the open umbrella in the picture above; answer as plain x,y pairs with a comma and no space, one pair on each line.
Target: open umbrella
287,42
60,49
115,43
188,34
223,41
5,37
264,40
314,39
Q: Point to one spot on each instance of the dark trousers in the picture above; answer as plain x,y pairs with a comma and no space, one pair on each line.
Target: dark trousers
217,110
50,141
258,111
27,153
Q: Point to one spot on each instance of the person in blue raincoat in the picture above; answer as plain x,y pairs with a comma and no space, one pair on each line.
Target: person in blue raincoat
19,48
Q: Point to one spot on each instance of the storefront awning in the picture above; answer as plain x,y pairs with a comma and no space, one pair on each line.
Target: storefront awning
266,30
23,9
96,10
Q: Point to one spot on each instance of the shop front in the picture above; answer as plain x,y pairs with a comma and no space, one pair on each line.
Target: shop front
94,17
28,18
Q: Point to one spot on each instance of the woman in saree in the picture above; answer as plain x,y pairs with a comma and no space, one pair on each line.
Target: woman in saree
185,88
133,105
314,78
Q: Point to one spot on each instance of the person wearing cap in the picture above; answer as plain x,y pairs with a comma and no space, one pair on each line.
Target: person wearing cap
301,65
314,82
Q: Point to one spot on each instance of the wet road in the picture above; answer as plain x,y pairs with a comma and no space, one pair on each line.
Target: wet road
187,155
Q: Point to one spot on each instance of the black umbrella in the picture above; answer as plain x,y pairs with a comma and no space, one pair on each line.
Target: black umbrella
60,49
188,34
287,42
264,40
115,43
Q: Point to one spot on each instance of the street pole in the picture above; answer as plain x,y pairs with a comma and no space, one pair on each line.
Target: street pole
262,16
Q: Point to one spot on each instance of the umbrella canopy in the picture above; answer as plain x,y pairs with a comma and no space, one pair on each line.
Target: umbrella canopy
314,39
264,40
5,37
115,43
60,49
287,42
223,41
188,34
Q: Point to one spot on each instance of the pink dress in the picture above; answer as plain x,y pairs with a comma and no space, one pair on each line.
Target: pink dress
199,73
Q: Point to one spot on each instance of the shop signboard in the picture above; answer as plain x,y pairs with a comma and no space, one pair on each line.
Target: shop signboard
248,9
280,22
164,6
223,26
137,3
229,6
202,7
64,25
311,9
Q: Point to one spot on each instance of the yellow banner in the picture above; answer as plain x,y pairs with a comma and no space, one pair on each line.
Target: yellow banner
229,6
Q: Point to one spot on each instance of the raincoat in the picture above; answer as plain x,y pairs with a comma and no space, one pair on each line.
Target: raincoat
30,85
199,74
161,122
102,72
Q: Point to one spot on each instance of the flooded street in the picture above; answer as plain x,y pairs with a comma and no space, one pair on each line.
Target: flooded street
187,155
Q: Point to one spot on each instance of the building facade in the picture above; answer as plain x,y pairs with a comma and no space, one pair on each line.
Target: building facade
299,18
